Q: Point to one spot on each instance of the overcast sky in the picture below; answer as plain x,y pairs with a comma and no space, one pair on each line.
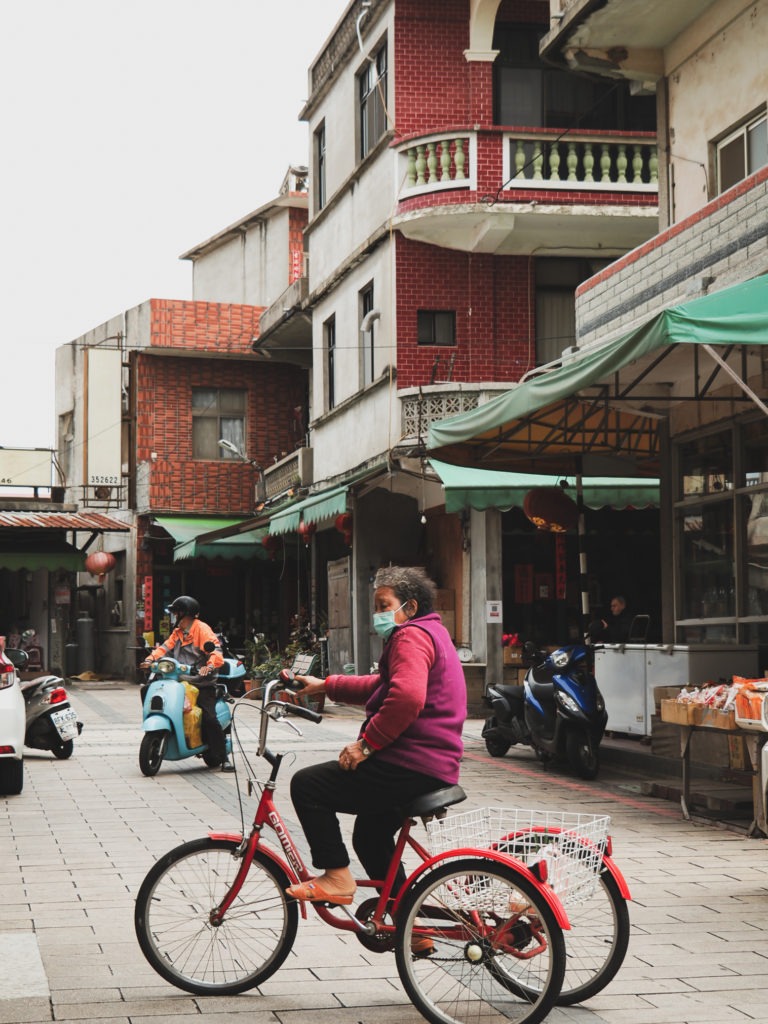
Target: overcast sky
131,132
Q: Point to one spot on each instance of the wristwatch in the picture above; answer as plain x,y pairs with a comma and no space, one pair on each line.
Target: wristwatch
366,748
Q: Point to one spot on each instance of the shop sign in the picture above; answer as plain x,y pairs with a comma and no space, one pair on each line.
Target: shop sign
147,602
493,611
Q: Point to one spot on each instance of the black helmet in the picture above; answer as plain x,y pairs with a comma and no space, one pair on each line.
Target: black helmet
182,606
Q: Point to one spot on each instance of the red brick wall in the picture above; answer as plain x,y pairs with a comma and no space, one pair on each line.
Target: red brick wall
435,85
164,389
207,326
431,74
494,313
297,221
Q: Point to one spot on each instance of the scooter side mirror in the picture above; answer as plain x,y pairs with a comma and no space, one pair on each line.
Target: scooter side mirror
531,653
209,646
17,657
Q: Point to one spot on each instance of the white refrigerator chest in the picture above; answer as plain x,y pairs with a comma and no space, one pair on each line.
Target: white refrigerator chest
627,674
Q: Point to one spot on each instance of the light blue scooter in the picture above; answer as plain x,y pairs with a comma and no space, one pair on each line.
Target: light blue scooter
163,709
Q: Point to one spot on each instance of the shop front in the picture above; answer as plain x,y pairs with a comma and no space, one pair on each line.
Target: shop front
41,601
682,398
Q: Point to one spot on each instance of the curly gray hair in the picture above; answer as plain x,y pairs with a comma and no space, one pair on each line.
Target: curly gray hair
409,583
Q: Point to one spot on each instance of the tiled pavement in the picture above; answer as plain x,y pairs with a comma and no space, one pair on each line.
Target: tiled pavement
75,845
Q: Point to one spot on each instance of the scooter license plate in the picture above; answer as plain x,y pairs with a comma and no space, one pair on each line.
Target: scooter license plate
66,723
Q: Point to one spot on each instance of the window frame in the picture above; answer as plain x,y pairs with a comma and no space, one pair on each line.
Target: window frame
218,414
321,166
371,106
741,130
367,344
434,313
329,343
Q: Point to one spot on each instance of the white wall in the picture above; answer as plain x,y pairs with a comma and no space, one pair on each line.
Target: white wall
251,268
354,434
343,302
717,75
369,200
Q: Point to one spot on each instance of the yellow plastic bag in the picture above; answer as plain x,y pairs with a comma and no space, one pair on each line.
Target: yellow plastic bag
193,727
193,718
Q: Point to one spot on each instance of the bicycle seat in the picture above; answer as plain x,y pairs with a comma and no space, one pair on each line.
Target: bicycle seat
434,804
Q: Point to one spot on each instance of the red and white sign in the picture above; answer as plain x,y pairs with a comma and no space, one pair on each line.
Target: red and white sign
297,264
147,602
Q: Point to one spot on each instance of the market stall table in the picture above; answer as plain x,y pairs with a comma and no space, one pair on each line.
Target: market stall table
696,717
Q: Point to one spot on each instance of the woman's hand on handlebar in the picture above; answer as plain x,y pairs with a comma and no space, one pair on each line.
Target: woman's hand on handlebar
311,685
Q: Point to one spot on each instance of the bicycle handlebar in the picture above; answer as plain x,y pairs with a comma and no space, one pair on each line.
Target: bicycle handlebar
284,682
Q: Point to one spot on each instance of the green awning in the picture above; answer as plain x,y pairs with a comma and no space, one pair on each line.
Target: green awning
314,509
186,530
71,561
607,403
484,488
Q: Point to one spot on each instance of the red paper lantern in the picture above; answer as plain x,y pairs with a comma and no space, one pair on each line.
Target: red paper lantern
550,508
100,562
272,543
307,531
343,524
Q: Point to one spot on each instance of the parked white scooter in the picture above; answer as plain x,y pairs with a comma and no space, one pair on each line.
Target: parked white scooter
12,727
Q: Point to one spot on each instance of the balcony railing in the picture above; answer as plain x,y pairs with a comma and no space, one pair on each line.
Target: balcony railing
530,160
294,470
421,410
580,162
438,162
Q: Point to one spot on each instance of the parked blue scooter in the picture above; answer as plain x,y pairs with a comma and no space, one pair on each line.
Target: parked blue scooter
559,710
163,707
233,671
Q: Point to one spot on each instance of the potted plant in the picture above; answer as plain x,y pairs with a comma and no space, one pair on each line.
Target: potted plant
264,660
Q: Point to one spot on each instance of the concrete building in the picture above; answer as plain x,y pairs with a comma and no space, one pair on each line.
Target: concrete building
669,369
459,192
142,402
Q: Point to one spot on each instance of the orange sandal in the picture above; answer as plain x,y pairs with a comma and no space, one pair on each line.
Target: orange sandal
310,892
422,946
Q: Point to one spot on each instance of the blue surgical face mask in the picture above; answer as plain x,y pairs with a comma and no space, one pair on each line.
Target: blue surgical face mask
384,622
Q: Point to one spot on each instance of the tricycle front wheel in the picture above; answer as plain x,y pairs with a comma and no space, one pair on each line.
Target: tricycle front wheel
181,942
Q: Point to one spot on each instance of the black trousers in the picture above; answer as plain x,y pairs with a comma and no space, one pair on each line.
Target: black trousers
213,734
374,792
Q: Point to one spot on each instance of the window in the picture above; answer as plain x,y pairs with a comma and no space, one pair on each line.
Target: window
329,330
320,168
742,152
436,326
367,337
528,92
217,414
372,84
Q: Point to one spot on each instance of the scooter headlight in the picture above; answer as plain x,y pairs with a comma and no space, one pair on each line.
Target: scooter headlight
561,658
567,701
164,667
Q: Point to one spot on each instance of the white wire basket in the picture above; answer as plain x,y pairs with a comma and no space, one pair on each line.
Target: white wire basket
572,845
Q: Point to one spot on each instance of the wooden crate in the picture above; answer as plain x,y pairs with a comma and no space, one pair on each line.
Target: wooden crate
680,714
712,718
661,693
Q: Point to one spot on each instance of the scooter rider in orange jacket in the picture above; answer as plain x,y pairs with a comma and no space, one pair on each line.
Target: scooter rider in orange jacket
187,645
